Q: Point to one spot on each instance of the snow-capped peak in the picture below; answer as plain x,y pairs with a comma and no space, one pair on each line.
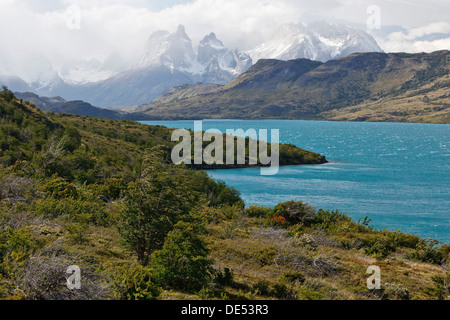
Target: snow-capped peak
173,50
321,41
213,62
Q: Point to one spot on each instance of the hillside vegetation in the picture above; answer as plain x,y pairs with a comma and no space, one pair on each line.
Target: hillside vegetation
395,87
103,195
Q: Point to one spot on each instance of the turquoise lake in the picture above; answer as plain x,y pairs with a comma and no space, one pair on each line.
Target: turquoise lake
396,174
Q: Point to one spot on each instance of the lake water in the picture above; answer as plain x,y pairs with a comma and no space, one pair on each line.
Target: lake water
396,174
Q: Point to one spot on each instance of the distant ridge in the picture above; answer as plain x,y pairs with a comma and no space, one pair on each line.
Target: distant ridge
360,87
60,105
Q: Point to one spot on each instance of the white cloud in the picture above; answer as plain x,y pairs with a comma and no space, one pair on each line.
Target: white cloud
432,37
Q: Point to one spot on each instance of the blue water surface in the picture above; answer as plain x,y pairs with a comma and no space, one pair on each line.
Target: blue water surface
396,174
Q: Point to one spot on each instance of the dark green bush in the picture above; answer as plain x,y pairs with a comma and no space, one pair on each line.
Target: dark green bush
225,278
183,263
293,277
112,188
261,288
295,212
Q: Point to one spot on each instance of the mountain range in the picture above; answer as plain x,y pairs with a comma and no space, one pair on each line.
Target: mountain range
169,60
358,87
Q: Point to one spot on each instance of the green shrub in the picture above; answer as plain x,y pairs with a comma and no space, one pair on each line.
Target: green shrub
281,291
134,283
441,287
266,255
112,188
293,277
225,278
445,250
400,239
428,251
206,215
59,188
76,232
379,249
15,248
231,211
295,212
83,211
261,288
326,218
183,263
258,211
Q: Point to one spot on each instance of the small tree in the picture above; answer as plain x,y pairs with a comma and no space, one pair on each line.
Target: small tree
183,262
7,94
154,205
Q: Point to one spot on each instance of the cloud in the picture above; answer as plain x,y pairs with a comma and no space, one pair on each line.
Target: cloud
432,37
35,35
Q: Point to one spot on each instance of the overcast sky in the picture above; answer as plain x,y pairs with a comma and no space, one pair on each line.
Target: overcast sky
32,31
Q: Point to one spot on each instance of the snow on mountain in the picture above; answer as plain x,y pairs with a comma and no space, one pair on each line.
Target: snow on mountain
321,41
212,63
174,50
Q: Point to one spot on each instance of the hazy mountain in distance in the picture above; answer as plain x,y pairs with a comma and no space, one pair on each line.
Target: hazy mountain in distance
14,83
169,60
320,41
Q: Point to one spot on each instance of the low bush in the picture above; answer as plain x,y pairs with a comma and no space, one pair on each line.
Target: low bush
112,188
82,211
293,277
225,278
379,249
59,188
261,288
441,287
295,212
183,263
134,282
258,211
394,291
428,251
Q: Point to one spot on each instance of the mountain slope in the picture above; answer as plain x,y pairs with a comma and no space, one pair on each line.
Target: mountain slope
303,89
